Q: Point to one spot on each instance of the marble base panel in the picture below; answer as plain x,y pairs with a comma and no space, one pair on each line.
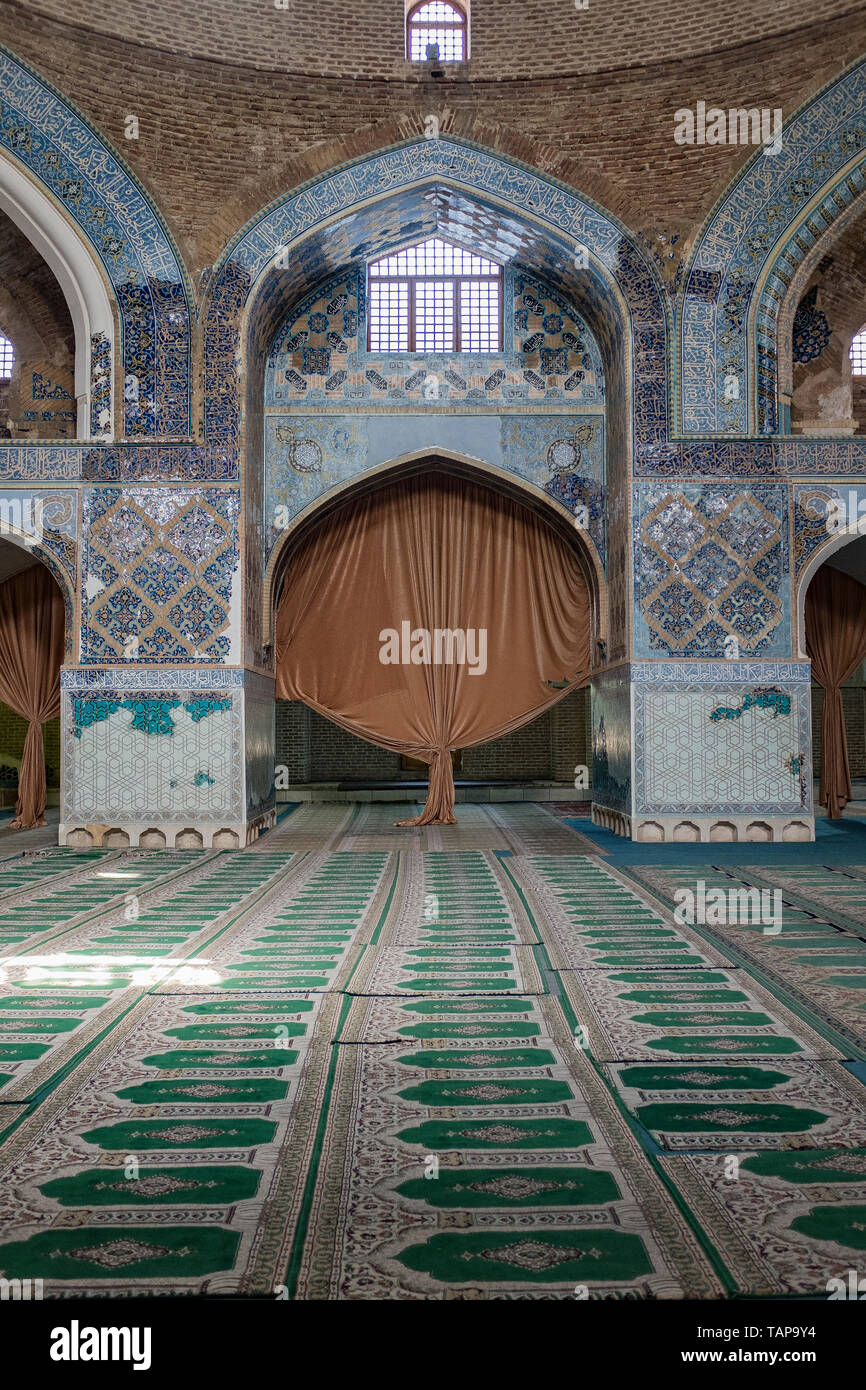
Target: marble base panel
704,751
177,758
690,828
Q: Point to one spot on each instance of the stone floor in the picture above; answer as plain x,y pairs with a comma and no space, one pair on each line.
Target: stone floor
474,1061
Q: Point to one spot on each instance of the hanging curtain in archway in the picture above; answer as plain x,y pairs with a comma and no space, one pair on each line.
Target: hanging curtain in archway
390,586
31,654
836,642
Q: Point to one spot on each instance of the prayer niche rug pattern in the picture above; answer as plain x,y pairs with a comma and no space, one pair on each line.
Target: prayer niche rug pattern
473,1165
781,1105
816,952
357,1062
742,1020
788,1223
590,920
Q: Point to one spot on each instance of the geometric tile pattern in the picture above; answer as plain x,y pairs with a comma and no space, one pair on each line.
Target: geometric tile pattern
717,745
318,356
160,566
565,220
155,755
711,563
690,762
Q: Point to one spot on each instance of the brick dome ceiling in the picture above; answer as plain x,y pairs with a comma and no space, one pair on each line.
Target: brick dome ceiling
239,102
511,39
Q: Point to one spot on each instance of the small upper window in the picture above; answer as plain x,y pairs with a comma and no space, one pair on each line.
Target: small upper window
7,358
435,297
858,354
436,32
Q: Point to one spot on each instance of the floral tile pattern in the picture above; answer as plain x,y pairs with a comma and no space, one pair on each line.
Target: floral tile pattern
711,565
160,565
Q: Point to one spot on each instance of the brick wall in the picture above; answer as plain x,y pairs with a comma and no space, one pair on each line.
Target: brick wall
854,711
509,39
13,731
571,735
316,750
524,754
293,739
336,755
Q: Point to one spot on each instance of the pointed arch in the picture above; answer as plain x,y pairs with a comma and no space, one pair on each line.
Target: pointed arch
122,236
245,279
837,540
85,290
463,466
784,284
728,309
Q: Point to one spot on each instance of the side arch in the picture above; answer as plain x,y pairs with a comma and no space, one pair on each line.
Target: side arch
785,285
18,537
728,309
78,171
85,289
771,316
844,536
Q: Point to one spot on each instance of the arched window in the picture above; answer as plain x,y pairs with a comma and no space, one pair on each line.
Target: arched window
858,354
434,297
436,31
7,358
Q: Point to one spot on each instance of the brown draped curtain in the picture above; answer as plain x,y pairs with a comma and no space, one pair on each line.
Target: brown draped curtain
836,642
439,552
31,654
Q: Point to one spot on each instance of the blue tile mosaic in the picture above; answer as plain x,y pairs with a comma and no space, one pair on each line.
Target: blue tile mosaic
711,564
758,233
319,360
128,238
159,566
434,167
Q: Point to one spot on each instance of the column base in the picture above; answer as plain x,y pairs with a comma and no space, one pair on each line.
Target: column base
610,819
177,835
728,830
